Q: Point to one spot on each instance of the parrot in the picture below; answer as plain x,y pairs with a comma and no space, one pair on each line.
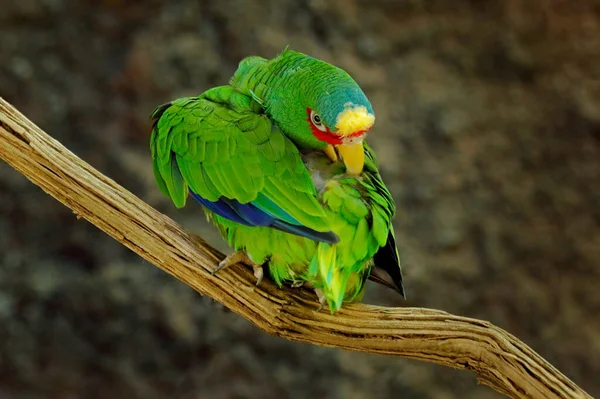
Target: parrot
277,160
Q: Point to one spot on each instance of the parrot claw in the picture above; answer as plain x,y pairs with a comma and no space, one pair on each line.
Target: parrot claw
319,292
322,298
258,273
297,284
232,259
241,257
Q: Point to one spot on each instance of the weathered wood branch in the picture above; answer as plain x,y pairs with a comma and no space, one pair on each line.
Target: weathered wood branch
498,359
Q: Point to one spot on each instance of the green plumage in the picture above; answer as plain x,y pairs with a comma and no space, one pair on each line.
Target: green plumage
250,144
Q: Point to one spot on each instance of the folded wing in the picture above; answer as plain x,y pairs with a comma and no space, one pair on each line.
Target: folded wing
220,149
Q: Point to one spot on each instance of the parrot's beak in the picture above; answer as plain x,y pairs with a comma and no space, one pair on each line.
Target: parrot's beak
330,152
351,126
353,156
352,153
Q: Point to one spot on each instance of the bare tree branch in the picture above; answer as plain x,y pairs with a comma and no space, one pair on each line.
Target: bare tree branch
498,359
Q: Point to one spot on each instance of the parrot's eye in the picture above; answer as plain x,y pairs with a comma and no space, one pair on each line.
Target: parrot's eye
316,120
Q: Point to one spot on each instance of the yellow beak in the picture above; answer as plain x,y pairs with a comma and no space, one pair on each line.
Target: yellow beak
353,156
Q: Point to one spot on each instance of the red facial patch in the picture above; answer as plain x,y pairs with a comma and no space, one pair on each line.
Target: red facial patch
327,136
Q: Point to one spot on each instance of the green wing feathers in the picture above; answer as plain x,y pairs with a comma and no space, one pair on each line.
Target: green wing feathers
361,211
220,145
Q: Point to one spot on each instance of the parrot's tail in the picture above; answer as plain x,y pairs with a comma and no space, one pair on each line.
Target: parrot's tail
331,279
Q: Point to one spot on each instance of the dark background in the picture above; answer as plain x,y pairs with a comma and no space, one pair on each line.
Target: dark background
488,134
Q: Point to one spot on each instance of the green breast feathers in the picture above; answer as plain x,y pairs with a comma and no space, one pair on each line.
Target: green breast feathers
278,161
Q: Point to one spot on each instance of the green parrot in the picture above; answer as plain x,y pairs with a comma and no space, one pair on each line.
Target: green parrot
277,159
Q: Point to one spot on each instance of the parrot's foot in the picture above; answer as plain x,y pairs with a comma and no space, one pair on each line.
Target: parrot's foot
259,273
320,294
241,257
297,284
322,298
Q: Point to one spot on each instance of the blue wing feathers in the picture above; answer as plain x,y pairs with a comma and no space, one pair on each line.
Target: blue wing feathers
328,237
248,212
251,215
221,209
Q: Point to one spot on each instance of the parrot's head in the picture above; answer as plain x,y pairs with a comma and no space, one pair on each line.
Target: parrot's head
323,108
341,119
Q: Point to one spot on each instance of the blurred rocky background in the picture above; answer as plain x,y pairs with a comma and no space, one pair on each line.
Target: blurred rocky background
488,134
